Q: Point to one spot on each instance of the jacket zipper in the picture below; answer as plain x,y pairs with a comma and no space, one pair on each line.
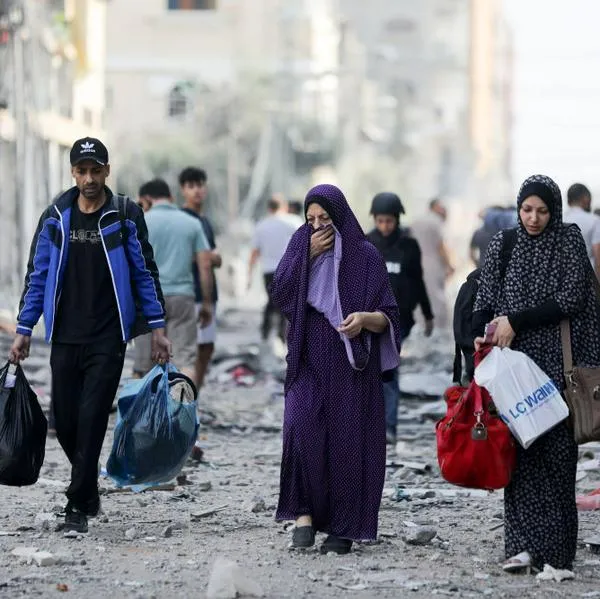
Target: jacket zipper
60,259
111,272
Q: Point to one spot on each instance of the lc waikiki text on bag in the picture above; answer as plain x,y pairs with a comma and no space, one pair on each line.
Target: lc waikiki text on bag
525,396
23,429
156,429
475,448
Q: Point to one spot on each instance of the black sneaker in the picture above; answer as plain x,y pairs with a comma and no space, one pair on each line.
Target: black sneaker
75,522
93,507
333,544
303,537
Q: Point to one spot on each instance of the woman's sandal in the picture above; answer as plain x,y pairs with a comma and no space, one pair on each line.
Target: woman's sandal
519,564
303,537
333,544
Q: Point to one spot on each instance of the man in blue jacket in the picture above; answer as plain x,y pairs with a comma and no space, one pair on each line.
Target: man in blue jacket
90,269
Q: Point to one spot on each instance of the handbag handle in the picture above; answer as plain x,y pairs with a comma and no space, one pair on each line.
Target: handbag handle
565,330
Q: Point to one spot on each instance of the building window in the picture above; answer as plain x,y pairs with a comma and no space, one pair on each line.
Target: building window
192,4
179,102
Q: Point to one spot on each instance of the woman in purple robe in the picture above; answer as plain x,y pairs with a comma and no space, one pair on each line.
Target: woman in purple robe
333,288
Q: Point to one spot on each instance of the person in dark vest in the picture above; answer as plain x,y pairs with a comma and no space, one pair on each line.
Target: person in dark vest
402,257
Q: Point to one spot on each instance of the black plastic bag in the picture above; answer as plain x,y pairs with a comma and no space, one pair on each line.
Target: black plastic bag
23,429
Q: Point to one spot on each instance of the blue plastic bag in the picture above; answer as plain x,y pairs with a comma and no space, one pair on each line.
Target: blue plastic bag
156,429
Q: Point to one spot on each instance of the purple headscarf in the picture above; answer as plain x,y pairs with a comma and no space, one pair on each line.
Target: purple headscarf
363,283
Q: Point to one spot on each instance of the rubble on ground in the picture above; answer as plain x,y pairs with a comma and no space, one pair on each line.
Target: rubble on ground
434,539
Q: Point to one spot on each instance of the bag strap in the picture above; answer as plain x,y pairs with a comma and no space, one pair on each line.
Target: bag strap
457,367
122,205
565,324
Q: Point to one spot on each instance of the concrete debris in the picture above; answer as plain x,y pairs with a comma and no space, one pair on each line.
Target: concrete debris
257,505
552,574
31,555
223,506
419,535
45,521
44,558
228,581
206,513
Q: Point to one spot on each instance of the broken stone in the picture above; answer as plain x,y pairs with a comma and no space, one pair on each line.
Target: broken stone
422,535
257,505
167,533
204,486
45,521
25,553
131,533
44,558
31,555
228,581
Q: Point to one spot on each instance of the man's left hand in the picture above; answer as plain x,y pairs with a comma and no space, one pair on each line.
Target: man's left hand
205,315
161,347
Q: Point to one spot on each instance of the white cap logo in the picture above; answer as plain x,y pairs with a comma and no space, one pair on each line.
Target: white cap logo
87,147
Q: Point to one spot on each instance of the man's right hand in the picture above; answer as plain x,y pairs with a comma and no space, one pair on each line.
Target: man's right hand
321,241
20,349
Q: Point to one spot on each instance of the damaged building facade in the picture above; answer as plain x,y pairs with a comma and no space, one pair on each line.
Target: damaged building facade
51,93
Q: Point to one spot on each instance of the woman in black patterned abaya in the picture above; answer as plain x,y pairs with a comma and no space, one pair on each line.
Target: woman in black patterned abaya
547,279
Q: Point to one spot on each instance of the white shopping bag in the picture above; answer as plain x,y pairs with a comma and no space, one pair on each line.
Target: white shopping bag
524,395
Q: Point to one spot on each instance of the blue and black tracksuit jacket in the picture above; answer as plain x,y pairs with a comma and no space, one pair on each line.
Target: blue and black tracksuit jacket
128,253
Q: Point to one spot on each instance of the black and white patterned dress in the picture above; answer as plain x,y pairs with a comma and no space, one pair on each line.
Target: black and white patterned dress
540,509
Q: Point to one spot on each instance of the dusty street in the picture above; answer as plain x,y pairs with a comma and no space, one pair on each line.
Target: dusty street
434,539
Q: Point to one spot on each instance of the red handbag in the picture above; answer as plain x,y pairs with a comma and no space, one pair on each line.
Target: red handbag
475,448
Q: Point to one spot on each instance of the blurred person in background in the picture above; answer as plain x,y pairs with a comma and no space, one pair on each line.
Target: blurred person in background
495,219
333,287
295,210
579,213
402,257
84,270
178,239
194,188
144,201
492,223
429,232
271,238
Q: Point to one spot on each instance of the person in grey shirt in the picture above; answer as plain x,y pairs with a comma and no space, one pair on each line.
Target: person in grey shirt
579,213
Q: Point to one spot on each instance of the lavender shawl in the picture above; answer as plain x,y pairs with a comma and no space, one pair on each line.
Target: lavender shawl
363,284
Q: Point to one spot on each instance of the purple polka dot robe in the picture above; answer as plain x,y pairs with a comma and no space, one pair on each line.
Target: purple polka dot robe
333,463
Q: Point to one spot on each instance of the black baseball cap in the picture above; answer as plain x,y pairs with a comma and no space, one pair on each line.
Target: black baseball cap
89,148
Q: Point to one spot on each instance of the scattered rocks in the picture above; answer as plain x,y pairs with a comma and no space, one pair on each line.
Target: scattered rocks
228,581
31,555
131,533
257,505
420,535
45,521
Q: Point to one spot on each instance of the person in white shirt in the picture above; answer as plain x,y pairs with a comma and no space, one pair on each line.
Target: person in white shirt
579,213
271,239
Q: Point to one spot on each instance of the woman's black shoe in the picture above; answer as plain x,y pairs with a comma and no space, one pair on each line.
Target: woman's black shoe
333,544
303,537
